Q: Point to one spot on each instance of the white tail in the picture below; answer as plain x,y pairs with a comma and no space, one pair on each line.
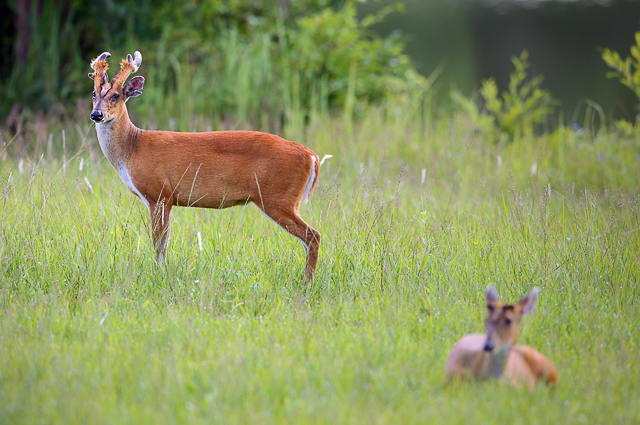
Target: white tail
217,169
494,354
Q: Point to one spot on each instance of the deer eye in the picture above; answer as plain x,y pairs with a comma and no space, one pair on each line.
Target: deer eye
115,97
507,322
93,94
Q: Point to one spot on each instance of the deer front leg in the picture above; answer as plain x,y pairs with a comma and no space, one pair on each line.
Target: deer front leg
160,226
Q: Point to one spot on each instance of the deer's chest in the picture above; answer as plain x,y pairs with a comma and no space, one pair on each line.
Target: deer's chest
113,154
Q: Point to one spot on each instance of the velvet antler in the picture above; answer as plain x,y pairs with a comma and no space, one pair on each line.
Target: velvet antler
100,67
127,67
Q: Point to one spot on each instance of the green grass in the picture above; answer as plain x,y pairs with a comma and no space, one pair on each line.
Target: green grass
93,331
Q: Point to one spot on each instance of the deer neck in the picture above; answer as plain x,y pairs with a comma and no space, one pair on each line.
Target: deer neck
117,139
497,362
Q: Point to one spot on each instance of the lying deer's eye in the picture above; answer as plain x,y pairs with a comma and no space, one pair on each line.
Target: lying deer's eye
115,97
93,94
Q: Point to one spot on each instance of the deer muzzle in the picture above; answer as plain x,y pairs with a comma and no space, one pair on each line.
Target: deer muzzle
96,116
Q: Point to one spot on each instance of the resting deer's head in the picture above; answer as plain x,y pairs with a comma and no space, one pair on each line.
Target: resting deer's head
503,320
109,97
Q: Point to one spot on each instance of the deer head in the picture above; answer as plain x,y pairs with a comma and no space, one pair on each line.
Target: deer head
503,320
109,98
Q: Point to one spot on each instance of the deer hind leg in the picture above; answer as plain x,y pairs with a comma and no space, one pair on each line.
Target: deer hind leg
291,221
160,226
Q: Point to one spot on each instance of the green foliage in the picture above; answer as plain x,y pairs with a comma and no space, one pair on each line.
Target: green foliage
330,46
245,60
627,71
47,70
52,45
282,59
515,112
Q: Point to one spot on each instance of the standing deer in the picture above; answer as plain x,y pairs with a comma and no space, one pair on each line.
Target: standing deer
494,355
216,169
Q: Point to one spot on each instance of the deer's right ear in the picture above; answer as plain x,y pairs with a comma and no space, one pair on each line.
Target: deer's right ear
492,295
133,87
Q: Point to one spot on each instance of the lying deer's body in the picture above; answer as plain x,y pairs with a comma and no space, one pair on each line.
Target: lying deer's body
495,355
217,169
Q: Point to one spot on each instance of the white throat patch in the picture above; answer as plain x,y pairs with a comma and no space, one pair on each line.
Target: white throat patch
498,360
105,135
105,138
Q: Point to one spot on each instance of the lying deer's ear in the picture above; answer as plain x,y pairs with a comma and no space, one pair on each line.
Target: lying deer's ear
492,295
528,302
133,88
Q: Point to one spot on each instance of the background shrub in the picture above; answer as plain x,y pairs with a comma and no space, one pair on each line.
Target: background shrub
246,60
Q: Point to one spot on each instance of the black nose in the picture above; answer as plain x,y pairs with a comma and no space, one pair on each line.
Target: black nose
96,116
488,346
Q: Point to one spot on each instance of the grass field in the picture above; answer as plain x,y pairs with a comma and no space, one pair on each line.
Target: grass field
418,216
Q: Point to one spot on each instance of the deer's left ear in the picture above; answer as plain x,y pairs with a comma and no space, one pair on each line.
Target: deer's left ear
133,88
528,302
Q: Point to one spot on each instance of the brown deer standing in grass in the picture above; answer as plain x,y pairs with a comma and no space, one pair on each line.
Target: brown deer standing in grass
494,354
216,169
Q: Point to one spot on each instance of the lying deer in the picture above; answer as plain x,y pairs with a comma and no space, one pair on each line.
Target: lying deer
216,169
494,354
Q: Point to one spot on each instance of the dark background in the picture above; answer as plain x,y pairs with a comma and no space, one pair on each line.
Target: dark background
475,40
472,40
